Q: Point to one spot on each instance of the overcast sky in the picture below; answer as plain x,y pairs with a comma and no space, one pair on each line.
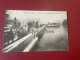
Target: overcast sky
41,16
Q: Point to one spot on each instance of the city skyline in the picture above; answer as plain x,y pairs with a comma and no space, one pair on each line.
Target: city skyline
41,16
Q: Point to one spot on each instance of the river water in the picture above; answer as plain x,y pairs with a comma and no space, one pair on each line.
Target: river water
53,39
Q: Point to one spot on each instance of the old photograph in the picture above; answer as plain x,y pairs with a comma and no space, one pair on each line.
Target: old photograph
34,31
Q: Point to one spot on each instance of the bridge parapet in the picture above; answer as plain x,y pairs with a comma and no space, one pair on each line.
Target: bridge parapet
19,45
16,46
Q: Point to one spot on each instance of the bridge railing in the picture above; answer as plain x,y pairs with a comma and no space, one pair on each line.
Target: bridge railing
18,45
29,40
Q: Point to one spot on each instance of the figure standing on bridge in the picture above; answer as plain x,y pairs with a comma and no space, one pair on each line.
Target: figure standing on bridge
33,32
21,33
10,36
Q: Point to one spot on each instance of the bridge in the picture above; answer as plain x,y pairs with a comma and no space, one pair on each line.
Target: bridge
25,44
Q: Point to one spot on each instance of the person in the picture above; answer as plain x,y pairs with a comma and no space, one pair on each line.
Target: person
21,33
34,32
10,36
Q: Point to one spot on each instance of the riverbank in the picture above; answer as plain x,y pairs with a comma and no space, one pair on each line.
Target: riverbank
57,41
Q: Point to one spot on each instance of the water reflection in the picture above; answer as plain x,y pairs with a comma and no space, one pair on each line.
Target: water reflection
55,41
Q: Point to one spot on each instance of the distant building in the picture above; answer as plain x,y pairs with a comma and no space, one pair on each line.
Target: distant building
24,25
16,23
13,23
32,24
55,24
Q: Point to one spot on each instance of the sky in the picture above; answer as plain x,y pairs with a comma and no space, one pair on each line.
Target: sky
41,16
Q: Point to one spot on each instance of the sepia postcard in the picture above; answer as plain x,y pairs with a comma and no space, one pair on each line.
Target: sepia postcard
34,31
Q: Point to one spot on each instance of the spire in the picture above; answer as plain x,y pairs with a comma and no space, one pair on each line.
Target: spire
15,18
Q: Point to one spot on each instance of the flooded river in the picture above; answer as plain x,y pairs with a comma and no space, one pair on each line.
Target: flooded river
53,39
